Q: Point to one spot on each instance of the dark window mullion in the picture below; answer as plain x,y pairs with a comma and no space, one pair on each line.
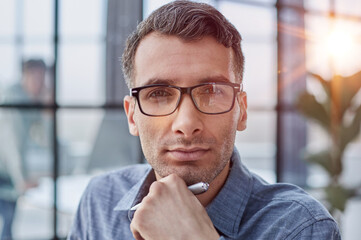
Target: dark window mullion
54,118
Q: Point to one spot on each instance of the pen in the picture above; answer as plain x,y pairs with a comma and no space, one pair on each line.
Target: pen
197,188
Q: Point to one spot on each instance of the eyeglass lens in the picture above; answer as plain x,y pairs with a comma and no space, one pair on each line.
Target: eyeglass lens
208,98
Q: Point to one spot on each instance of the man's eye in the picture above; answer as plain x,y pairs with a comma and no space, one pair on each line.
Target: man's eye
159,93
211,90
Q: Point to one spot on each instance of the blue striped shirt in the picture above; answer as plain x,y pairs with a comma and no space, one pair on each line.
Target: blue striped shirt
246,207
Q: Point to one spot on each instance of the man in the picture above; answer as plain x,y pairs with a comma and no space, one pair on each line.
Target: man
33,87
19,131
184,66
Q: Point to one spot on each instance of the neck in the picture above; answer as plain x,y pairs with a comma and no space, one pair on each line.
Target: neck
214,187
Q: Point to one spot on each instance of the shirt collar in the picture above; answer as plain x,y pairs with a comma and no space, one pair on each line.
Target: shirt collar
136,193
227,208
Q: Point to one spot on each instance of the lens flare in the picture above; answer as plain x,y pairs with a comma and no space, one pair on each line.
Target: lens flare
339,43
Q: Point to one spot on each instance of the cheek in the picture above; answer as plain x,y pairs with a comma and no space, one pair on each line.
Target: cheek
150,129
151,133
223,128
226,128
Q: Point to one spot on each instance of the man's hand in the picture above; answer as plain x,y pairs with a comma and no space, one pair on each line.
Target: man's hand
171,211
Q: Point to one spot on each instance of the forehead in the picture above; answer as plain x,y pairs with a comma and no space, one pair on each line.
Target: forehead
182,62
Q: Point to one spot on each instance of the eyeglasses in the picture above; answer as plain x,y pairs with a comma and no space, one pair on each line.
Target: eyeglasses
209,98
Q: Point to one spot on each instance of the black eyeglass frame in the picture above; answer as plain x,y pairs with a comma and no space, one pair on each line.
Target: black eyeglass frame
237,87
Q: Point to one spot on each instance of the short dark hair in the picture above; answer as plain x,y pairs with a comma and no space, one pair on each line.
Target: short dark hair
33,64
190,21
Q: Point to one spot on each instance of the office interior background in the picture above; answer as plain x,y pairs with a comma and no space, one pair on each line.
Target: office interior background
78,127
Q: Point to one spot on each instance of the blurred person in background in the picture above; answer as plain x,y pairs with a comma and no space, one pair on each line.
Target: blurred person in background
20,131
184,67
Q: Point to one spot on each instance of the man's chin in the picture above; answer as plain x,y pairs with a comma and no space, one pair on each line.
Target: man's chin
190,175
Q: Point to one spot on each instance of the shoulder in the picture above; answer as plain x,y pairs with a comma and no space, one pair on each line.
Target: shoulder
95,217
14,93
282,195
126,174
113,185
288,211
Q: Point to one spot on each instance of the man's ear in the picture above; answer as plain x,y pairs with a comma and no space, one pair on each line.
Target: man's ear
129,107
242,101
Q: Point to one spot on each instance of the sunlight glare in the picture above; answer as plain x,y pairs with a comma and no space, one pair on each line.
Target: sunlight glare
339,44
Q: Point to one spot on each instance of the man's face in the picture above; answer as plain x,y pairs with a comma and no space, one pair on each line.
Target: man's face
194,145
34,82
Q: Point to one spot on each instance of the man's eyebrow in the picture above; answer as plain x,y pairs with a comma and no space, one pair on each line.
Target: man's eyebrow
159,81
217,78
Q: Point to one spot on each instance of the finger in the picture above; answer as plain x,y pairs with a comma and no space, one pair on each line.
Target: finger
135,232
173,181
137,236
157,188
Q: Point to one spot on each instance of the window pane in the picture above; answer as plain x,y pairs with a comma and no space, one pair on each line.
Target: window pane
43,50
335,44
92,141
82,18
260,78
267,1
352,177
150,5
350,222
352,162
9,68
87,136
77,132
256,144
7,19
320,5
349,7
81,74
38,19
26,162
254,23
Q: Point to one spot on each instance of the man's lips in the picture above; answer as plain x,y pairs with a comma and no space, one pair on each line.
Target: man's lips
187,154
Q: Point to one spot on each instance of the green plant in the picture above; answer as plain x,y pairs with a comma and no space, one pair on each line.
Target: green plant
339,114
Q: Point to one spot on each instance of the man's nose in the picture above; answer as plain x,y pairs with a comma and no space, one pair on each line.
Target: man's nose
187,119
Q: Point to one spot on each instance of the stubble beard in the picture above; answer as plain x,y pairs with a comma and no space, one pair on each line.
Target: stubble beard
190,172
